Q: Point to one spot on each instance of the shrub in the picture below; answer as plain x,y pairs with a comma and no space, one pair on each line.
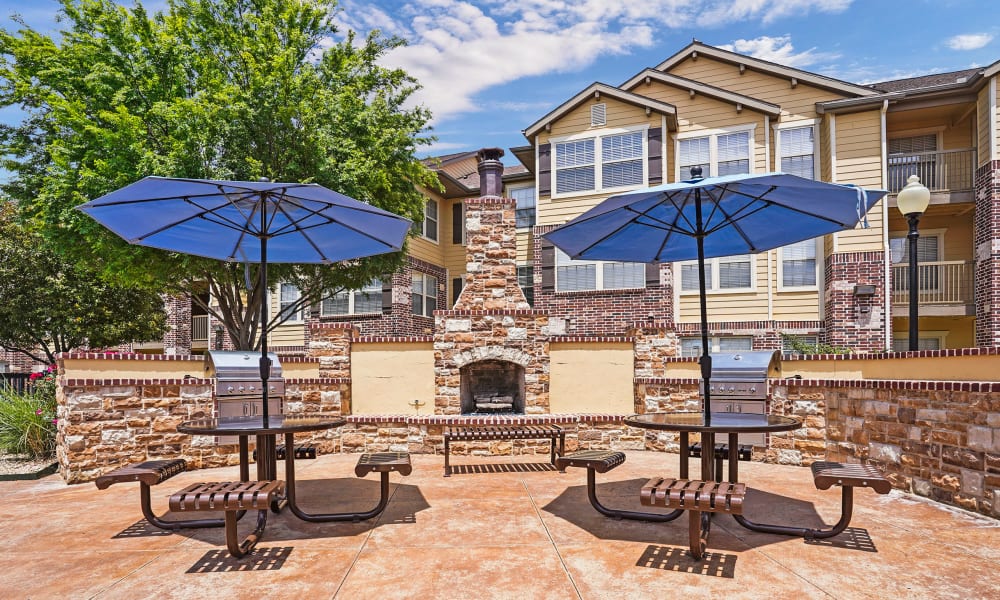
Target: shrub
28,419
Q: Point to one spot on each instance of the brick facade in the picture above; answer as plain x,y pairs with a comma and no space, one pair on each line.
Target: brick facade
855,322
986,246
177,339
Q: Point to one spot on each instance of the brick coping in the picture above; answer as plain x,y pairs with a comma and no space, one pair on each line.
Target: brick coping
990,351
905,384
549,419
191,381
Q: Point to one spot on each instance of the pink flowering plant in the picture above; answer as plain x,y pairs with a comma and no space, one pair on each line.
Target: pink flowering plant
28,419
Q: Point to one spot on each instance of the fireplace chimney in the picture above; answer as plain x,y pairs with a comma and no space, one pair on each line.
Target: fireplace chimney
490,172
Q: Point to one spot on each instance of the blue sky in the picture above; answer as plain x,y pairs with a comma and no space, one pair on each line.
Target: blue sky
491,68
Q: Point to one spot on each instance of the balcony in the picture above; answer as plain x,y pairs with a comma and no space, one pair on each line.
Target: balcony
945,288
948,174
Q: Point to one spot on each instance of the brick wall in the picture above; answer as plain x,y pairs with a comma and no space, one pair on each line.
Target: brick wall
987,253
177,339
855,322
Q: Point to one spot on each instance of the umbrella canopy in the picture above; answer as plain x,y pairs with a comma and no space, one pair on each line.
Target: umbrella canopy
709,217
249,222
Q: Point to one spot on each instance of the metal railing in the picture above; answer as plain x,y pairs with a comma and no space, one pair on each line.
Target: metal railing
942,171
941,282
199,328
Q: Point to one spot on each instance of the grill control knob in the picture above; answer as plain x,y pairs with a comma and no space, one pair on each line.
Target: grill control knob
242,388
731,389
753,390
251,389
229,389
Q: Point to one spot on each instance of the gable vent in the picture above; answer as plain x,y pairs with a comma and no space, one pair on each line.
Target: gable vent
598,114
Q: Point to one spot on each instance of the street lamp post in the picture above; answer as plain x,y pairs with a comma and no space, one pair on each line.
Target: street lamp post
912,201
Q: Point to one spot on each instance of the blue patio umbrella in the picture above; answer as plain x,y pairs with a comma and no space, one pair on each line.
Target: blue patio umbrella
249,222
709,217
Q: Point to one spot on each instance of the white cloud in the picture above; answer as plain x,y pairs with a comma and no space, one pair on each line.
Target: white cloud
969,41
460,48
780,50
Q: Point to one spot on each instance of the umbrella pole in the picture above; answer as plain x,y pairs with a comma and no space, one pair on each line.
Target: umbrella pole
706,359
265,362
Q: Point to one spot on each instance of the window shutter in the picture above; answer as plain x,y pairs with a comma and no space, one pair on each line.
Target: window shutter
654,154
545,169
652,274
457,222
387,294
548,256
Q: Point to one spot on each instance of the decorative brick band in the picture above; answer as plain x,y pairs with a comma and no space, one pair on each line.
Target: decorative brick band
298,359
125,356
489,313
490,201
586,339
319,380
747,325
990,351
667,380
554,419
193,381
331,325
391,339
893,384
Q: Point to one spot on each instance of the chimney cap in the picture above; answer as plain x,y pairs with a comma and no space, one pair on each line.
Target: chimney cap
489,154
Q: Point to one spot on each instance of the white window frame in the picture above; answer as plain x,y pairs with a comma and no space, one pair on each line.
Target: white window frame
422,227
819,269
597,135
424,277
374,288
563,259
713,340
812,123
903,339
297,316
713,153
713,265
924,234
525,186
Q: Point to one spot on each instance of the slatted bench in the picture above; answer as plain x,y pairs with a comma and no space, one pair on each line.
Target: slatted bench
232,497
602,461
150,473
468,433
698,498
302,451
848,476
382,463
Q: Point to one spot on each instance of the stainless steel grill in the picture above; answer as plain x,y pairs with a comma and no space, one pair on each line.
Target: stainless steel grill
237,383
739,385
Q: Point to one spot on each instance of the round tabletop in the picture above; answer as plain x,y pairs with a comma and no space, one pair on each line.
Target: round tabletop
255,425
721,422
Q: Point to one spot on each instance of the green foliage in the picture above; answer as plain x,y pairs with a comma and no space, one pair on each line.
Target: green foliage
223,89
797,344
50,305
28,419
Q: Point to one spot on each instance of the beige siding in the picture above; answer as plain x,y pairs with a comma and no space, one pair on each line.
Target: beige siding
983,120
288,334
859,161
796,103
591,378
796,306
453,255
428,250
725,305
386,377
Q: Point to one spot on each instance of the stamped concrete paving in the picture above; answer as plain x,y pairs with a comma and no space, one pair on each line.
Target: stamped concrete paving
498,528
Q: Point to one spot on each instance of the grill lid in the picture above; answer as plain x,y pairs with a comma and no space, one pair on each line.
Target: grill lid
751,365
238,365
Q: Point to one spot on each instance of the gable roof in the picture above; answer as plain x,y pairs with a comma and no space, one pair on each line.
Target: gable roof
612,92
927,81
696,48
702,88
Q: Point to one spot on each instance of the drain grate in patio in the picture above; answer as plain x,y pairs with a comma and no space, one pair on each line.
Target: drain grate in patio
262,559
668,558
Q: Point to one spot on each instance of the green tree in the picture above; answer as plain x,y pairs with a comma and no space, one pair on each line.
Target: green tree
48,305
222,89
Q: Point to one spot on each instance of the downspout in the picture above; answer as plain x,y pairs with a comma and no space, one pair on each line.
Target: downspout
886,254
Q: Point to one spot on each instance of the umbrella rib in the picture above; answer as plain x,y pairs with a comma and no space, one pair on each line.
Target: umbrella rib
207,211
731,219
294,224
761,198
655,224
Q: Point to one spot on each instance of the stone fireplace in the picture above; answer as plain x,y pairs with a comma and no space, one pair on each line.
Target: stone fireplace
491,345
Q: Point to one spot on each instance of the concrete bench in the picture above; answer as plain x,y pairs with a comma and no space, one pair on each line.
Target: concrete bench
150,473
467,433
699,498
232,497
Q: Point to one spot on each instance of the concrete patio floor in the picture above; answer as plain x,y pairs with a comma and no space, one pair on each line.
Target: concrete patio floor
500,527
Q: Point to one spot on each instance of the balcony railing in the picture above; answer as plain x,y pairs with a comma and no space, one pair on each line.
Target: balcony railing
944,171
942,282
199,328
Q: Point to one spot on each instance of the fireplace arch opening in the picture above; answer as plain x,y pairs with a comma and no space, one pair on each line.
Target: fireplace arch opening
492,387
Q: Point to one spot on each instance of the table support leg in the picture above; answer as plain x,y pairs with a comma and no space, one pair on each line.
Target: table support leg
685,454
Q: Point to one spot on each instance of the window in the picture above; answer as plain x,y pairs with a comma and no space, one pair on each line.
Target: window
720,154
929,246
798,264
429,227
354,302
525,197
526,279
790,342
424,294
621,157
691,346
725,273
798,151
288,296
915,155
580,275
902,344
